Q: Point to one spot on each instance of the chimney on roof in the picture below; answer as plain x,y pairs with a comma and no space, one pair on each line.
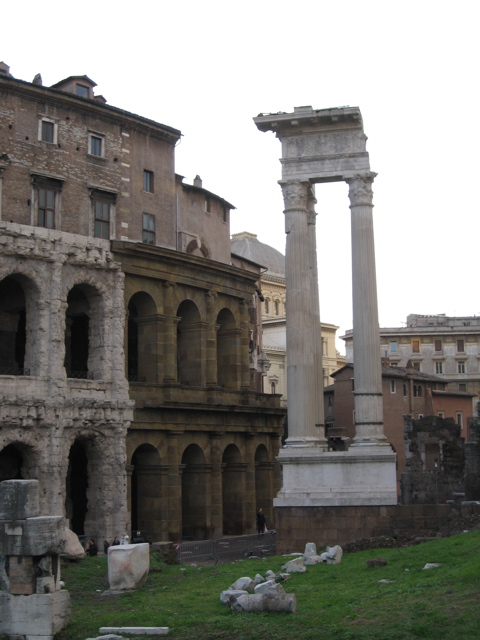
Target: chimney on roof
38,80
197,182
4,69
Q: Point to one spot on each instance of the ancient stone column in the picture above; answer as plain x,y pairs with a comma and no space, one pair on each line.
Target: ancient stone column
302,321
312,252
211,340
366,334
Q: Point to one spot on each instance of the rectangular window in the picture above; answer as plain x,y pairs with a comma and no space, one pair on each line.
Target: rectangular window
96,144
46,201
148,231
416,366
208,204
438,345
461,346
148,181
441,414
439,367
416,346
459,418
462,386
82,91
461,367
46,207
393,346
393,386
47,133
102,219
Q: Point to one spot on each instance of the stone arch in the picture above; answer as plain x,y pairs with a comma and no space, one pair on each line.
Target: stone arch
19,317
194,494
142,338
17,462
146,492
84,482
84,332
189,345
232,491
228,347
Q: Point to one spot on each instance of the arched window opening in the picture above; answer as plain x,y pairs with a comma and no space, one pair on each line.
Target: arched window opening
232,492
227,350
13,333
77,341
142,339
189,352
194,495
11,463
76,505
146,493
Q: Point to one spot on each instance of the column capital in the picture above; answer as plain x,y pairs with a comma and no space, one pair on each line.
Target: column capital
360,189
295,194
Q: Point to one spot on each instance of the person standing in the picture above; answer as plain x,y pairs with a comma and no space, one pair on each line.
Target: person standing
260,522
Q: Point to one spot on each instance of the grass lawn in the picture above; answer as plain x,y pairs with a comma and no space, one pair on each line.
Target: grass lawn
334,602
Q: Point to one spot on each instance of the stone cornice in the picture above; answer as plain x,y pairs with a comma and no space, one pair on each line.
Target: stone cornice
86,106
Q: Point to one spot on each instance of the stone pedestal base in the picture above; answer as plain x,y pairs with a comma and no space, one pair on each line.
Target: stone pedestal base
35,617
363,475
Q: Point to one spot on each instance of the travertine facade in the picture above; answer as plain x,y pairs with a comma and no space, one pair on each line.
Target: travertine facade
129,386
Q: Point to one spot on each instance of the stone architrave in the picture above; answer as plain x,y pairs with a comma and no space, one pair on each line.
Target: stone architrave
329,145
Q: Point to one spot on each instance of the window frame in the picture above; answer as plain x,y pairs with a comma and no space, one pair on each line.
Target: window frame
460,343
94,136
439,368
147,230
438,345
109,198
49,184
393,386
148,181
41,129
461,367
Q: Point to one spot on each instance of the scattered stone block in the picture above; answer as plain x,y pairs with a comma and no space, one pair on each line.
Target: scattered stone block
257,602
136,631
245,584
433,565
376,562
333,555
128,566
270,586
72,546
295,566
258,579
270,574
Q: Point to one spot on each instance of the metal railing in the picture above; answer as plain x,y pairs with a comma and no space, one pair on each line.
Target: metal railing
14,371
227,549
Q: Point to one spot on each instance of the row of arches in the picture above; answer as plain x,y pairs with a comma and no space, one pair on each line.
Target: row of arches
183,347
186,347
206,500
24,321
194,500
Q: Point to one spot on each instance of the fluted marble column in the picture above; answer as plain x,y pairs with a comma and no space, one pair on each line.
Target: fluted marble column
302,320
366,334
312,251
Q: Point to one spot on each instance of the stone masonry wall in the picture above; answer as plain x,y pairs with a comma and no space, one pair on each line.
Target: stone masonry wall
338,525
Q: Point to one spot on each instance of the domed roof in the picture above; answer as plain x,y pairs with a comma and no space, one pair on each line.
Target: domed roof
248,246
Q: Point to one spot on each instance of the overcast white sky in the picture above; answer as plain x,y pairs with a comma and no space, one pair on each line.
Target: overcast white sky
207,68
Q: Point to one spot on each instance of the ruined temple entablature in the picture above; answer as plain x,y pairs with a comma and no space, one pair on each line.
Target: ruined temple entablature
319,145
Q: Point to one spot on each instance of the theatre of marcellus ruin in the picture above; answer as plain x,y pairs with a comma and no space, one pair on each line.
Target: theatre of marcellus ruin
131,361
